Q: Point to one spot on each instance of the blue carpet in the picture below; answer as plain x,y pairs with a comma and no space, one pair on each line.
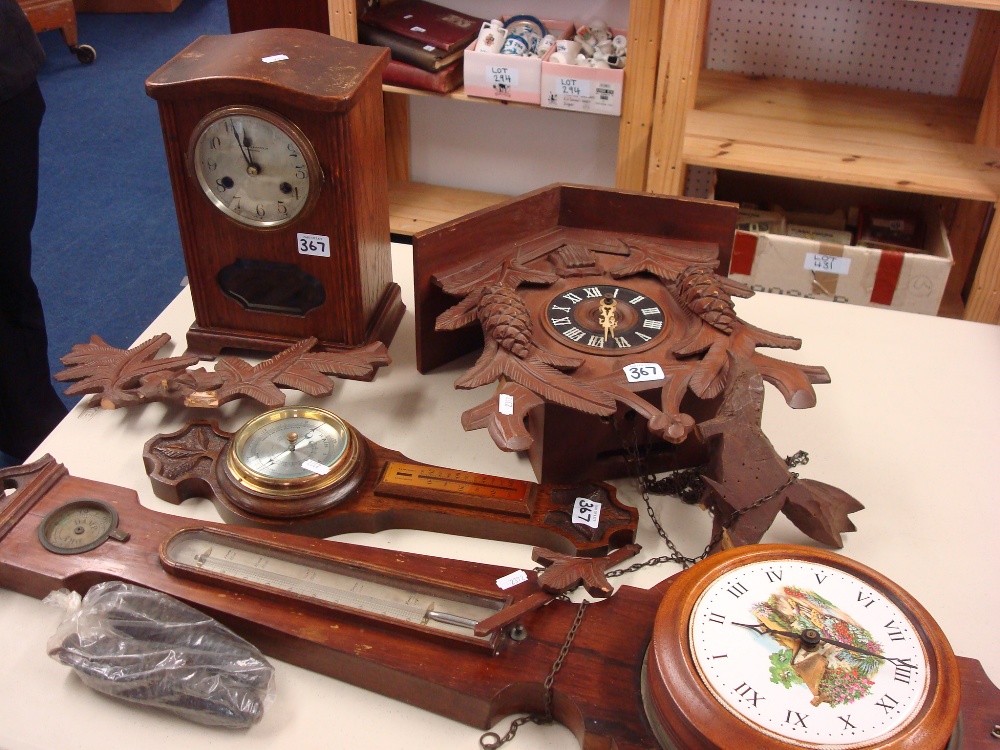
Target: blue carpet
107,256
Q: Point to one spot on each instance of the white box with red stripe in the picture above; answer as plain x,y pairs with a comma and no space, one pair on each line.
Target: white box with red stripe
847,273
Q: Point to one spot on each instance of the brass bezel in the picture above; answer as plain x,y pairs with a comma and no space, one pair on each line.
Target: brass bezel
316,177
254,481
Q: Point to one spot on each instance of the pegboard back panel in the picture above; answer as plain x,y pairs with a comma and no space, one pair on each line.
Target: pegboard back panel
886,44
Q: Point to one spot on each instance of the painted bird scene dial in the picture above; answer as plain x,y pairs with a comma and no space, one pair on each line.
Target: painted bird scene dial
809,654
254,166
606,319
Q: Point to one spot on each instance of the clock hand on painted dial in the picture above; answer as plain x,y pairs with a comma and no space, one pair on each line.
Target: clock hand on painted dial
810,637
848,647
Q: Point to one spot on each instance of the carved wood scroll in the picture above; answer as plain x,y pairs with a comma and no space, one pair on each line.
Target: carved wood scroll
710,353
123,377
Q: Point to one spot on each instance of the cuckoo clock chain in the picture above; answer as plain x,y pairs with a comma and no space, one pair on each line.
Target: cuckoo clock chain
492,740
688,485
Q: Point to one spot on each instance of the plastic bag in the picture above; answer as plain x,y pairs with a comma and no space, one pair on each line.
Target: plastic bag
146,647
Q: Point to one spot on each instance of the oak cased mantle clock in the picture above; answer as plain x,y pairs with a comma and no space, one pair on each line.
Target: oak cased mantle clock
275,147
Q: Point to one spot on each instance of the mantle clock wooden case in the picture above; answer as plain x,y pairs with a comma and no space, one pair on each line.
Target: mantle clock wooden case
276,152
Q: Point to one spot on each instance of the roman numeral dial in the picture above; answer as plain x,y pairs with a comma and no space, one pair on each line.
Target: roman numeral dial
815,655
606,319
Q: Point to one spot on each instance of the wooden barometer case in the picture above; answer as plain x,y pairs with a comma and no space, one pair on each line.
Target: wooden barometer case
275,147
686,665
305,470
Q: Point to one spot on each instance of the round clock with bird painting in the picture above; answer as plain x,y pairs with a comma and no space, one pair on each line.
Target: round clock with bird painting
781,647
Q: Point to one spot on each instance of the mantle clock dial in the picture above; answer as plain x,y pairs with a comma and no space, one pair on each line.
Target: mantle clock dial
276,152
254,166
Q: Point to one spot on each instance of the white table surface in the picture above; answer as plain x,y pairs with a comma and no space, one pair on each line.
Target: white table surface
909,426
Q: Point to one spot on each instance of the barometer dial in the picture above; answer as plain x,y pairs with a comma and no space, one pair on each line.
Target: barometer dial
292,451
79,526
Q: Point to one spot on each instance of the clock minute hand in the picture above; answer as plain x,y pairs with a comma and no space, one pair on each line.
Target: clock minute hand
239,142
848,647
608,319
767,630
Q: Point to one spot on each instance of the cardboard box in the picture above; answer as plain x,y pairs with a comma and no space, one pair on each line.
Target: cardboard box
843,273
509,77
582,88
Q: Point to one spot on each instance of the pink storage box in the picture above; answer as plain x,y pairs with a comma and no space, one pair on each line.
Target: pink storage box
509,77
582,88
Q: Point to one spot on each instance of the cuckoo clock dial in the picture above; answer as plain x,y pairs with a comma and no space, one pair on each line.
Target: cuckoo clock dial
606,319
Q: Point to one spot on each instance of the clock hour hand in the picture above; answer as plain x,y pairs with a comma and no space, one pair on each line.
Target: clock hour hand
608,319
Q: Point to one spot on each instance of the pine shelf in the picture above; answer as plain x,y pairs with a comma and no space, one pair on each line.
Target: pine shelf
458,95
414,206
850,135
840,134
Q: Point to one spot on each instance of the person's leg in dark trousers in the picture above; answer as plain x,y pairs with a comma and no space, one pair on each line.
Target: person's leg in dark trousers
29,405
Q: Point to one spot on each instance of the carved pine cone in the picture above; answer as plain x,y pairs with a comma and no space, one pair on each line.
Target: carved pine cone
700,292
505,319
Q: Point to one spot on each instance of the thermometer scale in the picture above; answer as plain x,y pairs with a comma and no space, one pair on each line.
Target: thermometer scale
456,487
232,561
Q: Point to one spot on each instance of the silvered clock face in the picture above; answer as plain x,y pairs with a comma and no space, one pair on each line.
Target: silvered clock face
605,319
254,166
809,653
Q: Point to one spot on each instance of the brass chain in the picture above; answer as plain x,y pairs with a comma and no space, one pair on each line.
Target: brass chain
684,483
492,740
688,485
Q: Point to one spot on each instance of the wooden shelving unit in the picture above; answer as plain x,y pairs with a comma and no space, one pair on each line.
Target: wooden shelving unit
677,114
940,146
415,206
